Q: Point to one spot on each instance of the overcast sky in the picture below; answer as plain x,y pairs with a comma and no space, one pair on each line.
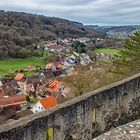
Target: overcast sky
102,12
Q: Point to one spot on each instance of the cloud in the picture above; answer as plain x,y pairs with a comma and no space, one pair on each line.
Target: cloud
85,11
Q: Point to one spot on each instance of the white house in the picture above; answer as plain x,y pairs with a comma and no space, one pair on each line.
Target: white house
44,104
38,107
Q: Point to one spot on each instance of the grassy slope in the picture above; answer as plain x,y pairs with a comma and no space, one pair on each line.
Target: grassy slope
10,65
107,51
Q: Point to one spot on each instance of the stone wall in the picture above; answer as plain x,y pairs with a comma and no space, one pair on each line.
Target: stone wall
83,117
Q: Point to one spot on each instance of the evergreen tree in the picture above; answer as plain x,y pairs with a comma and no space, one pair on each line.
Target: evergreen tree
79,47
129,57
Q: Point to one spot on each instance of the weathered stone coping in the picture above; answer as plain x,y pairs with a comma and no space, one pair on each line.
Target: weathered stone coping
26,120
130,131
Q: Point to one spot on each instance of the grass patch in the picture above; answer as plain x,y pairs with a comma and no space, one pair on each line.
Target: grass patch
110,51
9,66
30,73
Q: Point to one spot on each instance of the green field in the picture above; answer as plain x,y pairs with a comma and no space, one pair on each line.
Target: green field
9,66
107,51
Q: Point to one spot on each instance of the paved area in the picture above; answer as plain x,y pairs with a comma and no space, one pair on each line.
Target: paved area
130,131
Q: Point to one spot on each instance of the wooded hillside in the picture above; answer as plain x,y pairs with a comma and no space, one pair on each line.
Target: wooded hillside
19,30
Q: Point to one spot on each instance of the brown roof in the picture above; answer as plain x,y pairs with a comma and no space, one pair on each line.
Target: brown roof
7,113
24,113
13,100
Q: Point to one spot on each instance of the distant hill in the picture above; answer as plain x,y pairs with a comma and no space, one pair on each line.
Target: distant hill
119,31
20,30
38,26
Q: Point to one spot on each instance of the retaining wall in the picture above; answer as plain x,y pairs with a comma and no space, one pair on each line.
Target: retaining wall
83,117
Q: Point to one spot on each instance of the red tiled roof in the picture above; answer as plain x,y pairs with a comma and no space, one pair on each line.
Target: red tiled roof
19,76
13,100
48,102
49,65
58,64
54,86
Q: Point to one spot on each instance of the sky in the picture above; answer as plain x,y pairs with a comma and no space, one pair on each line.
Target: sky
101,12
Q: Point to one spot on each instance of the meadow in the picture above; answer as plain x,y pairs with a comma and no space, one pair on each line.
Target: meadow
9,66
110,51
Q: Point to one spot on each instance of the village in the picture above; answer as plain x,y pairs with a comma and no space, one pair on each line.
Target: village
21,95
